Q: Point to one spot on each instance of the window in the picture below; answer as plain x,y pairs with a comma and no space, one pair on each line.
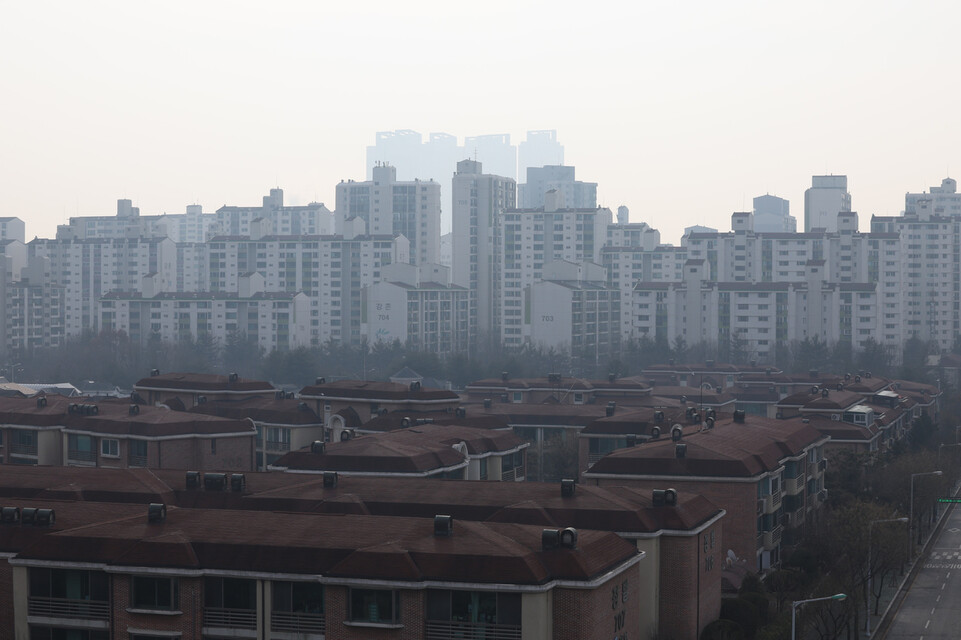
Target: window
154,593
70,584
213,446
378,606
478,607
230,593
110,448
298,597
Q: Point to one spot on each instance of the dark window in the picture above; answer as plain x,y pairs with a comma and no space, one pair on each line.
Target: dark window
154,593
230,593
71,584
50,633
374,605
482,607
298,597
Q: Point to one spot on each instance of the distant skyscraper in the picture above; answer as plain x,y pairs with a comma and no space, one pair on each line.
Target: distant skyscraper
541,148
478,200
389,206
496,153
572,194
772,214
827,197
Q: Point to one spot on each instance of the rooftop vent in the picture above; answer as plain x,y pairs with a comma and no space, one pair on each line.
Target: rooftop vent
683,399
664,497
9,515
443,526
238,482
632,440
302,406
279,394
505,376
44,518
857,379
487,403
233,377
215,481
41,402
867,374
550,539
680,450
318,446
346,434
154,373
655,433
201,399
709,423
567,487
405,422
814,390
320,380
569,538
739,415
415,386
677,432
847,376
840,386
609,410
330,479
28,515
611,377
156,512
658,416
554,378
825,393
460,412
753,363
134,409
193,480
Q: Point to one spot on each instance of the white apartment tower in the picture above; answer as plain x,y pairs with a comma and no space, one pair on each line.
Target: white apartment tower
827,197
390,207
478,199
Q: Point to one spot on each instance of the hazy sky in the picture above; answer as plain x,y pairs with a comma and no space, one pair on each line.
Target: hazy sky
682,111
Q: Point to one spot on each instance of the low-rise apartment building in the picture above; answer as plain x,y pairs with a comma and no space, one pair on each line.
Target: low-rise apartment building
196,388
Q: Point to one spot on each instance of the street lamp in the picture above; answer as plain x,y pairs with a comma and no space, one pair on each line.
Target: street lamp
911,509
796,603
867,604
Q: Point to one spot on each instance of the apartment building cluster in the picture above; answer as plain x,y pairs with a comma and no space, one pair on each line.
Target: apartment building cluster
535,263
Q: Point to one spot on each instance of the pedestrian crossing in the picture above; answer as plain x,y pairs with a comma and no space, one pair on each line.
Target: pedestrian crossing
944,559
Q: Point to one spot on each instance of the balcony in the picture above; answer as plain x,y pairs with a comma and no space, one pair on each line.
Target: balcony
23,449
471,631
297,622
593,458
83,457
68,608
230,618
776,499
793,486
822,465
793,519
772,538
277,445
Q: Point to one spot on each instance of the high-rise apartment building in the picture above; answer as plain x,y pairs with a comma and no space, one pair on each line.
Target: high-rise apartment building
478,199
391,207
571,193
526,240
827,197
540,149
944,200
773,215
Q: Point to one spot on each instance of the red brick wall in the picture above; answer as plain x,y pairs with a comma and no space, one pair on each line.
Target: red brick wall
6,601
739,499
601,613
412,613
188,623
234,454
690,583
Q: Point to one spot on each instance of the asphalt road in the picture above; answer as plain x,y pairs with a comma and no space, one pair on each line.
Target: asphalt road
932,606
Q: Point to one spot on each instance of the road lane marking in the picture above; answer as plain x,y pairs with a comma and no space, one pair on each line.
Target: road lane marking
926,624
939,599
932,611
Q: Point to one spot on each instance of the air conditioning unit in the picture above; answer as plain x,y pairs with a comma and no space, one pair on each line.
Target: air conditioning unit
238,482
156,512
193,479
215,481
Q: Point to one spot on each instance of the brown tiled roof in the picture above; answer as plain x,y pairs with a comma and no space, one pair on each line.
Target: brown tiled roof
621,509
262,409
114,418
420,449
201,382
523,413
728,450
335,546
836,400
839,430
637,422
370,390
394,420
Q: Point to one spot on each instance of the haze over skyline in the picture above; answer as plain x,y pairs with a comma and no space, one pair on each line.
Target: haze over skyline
683,113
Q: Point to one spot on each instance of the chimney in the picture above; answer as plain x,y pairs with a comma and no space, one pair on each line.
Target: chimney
680,450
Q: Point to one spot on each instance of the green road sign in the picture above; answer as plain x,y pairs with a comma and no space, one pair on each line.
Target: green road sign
949,499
